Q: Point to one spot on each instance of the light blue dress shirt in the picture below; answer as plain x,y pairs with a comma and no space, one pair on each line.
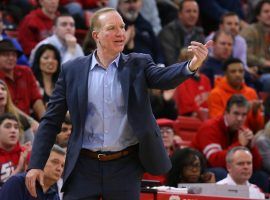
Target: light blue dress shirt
106,127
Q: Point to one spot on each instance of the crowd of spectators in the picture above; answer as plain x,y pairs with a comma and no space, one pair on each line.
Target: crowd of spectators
230,93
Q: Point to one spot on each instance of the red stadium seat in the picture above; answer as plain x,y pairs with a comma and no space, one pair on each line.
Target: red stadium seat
187,127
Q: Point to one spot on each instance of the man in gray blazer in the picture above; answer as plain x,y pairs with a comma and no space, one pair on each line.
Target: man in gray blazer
115,137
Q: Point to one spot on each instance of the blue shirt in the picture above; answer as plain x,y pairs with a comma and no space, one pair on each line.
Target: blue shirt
106,127
15,188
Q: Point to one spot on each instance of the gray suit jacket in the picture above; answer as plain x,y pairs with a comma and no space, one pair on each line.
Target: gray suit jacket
137,73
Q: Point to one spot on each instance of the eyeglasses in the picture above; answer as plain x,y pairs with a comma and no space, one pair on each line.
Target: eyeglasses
166,130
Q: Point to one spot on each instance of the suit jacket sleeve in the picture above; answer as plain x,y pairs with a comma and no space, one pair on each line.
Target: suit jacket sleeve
50,124
165,78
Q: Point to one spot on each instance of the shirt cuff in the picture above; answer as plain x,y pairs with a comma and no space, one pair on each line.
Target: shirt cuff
188,71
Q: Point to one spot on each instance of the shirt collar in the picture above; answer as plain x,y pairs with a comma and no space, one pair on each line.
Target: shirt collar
95,62
232,182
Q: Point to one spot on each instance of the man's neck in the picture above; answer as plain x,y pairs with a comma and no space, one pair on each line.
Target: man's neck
266,28
48,14
105,59
238,182
47,184
9,73
236,87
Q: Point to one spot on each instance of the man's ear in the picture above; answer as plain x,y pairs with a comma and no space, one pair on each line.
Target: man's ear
95,35
228,166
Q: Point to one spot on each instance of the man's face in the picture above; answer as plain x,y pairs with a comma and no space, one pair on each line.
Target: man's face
236,117
9,133
111,35
222,48
130,9
231,24
63,136
50,6
167,136
264,16
8,60
189,14
240,169
54,167
235,74
64,25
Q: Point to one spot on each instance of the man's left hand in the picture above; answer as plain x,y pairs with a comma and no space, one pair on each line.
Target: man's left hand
199,52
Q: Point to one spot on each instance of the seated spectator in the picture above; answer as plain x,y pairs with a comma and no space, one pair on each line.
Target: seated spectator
15,187
46,68
13,156
219,134
63,39
37,25
188,166
257,38
233,83
239,166
149,11
170,140
163,104
63,137
230,22
211,12
191,96
7,106
222,50
140,35
20,80
22,59
176,36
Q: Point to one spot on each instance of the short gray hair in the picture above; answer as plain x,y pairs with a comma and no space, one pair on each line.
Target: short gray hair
59,150
232,151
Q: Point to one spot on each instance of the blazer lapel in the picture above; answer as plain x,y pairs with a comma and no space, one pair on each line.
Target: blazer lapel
123,75
83,88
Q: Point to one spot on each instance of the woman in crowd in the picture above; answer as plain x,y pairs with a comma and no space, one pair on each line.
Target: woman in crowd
46,68
7,106
188,166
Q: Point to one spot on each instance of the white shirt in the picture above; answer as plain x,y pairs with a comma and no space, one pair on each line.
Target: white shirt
62,48
254,191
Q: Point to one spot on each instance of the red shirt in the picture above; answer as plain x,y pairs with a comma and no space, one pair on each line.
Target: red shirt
192,94
8,162
35,27
23,89
214,140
